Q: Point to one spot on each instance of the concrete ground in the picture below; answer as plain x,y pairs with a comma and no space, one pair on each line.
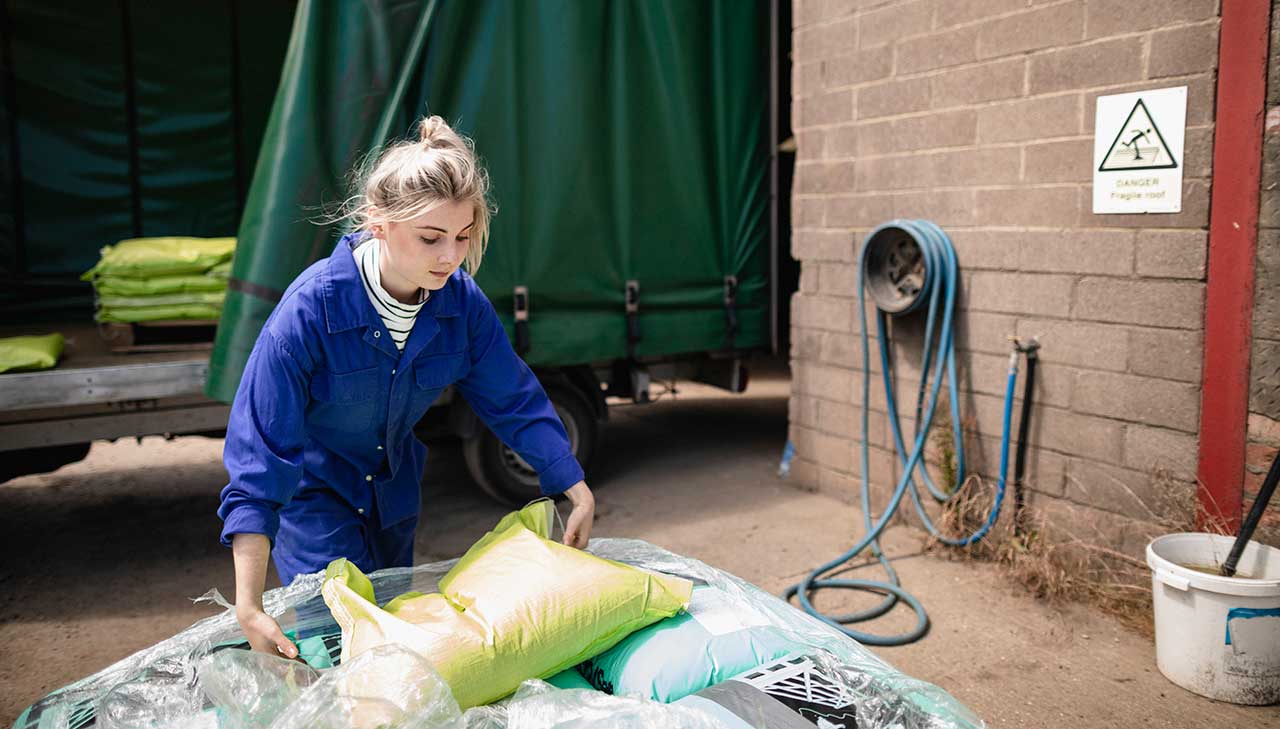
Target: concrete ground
99,560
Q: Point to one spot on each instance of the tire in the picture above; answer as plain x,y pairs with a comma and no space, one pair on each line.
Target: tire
505,476
40,460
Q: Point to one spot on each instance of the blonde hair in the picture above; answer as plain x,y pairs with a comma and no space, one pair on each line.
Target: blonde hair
412,177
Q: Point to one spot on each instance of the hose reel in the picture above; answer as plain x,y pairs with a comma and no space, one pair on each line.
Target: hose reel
894,270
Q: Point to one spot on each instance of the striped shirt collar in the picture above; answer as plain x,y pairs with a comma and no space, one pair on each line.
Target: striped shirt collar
396,316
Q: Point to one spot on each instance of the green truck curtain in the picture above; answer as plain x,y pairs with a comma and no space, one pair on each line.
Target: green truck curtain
625,141
124,119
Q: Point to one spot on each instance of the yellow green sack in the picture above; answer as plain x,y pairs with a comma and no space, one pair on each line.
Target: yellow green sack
30,353
516,606
188,283
133,314
161,256
198,298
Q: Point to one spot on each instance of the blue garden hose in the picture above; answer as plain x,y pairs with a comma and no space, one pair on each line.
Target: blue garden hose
938,291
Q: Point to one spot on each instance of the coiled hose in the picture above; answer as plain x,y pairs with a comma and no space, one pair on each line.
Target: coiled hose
938,293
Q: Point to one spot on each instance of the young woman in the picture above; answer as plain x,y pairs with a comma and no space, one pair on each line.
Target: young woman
320,445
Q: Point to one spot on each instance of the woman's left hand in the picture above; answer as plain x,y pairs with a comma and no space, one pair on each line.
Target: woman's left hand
577,530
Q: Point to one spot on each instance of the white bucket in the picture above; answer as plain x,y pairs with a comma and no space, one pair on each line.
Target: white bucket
1217,636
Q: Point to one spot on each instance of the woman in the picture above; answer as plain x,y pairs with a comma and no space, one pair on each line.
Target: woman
320,446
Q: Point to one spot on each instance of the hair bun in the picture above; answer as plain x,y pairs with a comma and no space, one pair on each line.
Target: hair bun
435,132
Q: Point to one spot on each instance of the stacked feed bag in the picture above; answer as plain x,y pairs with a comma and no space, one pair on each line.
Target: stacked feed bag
162,279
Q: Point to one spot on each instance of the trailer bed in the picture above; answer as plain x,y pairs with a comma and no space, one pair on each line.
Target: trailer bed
95,393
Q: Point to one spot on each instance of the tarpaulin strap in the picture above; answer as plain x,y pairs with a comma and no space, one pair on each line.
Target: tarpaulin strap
631,296
266,293
731,307
520,300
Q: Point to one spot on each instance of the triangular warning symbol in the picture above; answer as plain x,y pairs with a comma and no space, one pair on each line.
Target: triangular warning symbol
1139,145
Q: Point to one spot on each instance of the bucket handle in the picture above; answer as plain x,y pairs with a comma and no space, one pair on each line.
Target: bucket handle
1177,582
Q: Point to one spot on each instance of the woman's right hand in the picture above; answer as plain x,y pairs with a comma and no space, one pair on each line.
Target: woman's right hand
250,552
264,632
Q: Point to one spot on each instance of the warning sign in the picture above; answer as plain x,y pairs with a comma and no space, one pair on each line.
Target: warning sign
1138,143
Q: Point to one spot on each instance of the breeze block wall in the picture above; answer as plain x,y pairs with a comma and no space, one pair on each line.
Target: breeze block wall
979,116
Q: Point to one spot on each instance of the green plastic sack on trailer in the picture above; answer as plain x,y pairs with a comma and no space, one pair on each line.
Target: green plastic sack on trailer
134,314
161,256
516,606
205,298
157,285
715,640
30,353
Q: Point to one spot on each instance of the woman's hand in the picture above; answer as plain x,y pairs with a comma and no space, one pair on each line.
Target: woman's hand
577,530
264,632
250,553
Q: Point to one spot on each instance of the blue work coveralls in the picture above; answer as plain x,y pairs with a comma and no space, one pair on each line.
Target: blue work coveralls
320,446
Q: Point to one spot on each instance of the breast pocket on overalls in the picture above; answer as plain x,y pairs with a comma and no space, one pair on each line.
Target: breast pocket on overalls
345,401
431,374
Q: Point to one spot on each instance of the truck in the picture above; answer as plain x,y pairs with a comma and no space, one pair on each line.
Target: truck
632,150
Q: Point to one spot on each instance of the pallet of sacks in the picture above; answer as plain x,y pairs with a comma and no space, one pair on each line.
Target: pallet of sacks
155,291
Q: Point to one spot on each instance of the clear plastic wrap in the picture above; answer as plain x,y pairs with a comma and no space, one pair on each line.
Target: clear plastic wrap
163,695
250,689
387,686
539,705
159,686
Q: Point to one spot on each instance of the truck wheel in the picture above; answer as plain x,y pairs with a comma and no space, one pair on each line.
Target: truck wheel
504,475
40,460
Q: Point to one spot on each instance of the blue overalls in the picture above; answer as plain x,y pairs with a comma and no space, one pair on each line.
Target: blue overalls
320,446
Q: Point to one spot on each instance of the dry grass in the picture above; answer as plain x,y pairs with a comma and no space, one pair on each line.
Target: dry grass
1058,560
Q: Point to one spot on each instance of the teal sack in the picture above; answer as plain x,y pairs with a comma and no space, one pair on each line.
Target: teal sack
715,640
570,679
30,353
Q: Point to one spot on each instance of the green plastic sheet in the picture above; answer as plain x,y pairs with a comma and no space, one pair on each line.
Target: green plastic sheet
625,141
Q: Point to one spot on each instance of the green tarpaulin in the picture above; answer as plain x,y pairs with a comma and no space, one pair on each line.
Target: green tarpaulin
625,140
123,120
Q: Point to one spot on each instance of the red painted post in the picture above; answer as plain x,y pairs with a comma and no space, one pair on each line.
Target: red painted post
1233,240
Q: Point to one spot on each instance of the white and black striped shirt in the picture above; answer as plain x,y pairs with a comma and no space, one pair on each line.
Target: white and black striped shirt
397,317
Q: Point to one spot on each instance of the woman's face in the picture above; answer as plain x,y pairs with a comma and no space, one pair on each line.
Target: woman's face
426,250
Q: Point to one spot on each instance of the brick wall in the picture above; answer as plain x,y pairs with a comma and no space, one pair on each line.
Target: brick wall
1264,394
978,115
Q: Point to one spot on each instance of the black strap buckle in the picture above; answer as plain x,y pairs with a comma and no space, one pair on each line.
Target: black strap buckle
731,307
520,300
631,297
